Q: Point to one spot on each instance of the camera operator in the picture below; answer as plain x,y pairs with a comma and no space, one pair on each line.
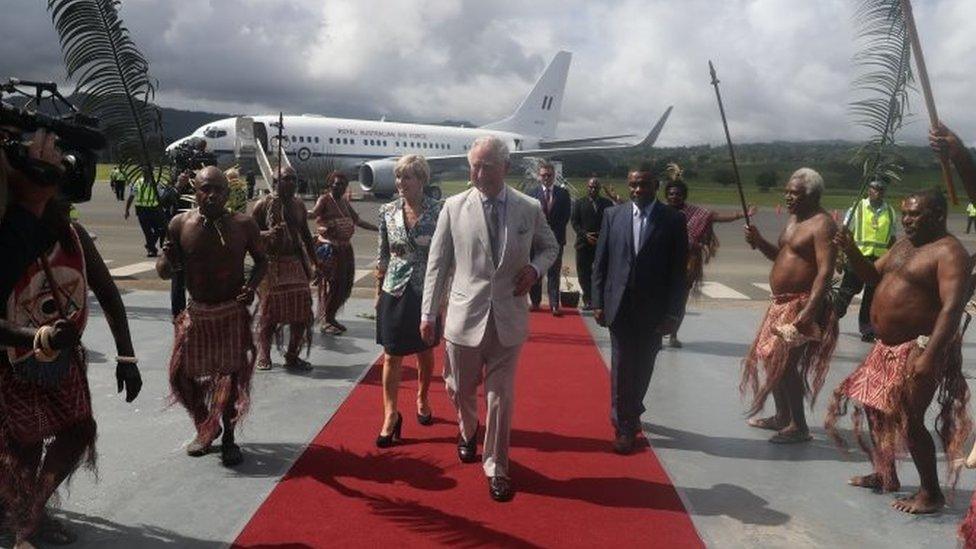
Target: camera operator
149,212
183,188
49,265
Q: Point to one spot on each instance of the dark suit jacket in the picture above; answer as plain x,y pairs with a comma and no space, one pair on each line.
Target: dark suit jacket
656,287
558,215
588,217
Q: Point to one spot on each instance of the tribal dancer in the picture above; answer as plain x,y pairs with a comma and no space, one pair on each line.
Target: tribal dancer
702,242
45,404
336,221
945,142
922,286
284,296
213,353
797,336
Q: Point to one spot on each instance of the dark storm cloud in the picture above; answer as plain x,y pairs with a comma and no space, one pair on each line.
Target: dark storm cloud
785,64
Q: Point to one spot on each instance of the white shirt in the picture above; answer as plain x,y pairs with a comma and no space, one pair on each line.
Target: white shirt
640,221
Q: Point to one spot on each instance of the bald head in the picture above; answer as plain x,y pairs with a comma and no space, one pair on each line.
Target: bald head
285,184
209,175
211,190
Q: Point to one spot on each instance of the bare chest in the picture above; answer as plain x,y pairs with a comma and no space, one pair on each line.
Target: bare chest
206,241
916,266
798,239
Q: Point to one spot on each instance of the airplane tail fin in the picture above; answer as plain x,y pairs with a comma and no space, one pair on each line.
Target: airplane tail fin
538,114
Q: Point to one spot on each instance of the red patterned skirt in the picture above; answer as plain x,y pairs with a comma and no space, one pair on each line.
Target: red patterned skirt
880,388
335,285
212,361
33,412
770,351
284,297
284,294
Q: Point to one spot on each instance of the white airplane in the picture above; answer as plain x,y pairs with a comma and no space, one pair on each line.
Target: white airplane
369,149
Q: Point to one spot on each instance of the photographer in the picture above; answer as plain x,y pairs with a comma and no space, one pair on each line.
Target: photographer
49,265
182,188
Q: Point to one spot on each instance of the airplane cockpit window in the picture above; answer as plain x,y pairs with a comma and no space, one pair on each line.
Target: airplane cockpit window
214,133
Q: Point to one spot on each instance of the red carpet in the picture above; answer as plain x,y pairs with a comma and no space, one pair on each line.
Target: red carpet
572,491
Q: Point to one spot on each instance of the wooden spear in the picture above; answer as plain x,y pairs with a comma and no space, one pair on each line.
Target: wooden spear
728,139
923,77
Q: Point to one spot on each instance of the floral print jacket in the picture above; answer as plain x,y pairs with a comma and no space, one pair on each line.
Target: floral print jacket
403,252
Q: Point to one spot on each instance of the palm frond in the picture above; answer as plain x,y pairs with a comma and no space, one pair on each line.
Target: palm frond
113,77
883,86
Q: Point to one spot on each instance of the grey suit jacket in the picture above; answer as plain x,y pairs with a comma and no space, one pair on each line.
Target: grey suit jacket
461,245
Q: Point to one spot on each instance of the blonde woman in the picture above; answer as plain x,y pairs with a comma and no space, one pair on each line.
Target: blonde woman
406,227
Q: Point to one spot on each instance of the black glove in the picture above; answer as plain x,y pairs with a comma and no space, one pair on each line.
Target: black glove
127,375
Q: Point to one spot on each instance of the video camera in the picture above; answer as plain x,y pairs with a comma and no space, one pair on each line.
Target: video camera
188,155
78,138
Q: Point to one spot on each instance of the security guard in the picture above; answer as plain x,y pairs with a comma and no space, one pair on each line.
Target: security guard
873,225
149,213
117,180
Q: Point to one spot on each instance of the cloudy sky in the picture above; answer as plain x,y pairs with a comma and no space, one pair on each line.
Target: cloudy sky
785,65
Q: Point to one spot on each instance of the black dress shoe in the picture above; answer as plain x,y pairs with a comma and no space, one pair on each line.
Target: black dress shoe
500,489
556,312
623,444
468,450
385,441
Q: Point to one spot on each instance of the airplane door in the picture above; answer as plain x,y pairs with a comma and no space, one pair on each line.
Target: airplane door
261,134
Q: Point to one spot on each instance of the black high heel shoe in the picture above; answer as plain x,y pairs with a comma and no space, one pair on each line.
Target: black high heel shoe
385,441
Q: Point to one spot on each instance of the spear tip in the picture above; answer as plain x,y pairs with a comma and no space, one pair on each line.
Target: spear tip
711,69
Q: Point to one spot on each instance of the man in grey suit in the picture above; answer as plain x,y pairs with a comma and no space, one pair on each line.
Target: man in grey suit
638,292
492,243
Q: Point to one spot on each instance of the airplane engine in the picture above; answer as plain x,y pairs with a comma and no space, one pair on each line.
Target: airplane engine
377,177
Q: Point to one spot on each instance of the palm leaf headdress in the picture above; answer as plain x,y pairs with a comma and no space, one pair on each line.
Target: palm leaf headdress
883,84
113,76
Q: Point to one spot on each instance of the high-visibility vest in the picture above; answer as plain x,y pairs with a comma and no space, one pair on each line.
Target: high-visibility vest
971,210
873,229
145,195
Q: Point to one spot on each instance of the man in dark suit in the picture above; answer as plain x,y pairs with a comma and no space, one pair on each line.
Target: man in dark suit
586,220
557,206
638,292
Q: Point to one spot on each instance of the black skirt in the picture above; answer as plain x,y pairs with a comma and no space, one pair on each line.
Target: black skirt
398,323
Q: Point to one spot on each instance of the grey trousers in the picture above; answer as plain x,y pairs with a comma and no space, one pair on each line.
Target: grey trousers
464,371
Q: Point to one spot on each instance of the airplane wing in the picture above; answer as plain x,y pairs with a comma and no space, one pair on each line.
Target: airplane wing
436,162
552,143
